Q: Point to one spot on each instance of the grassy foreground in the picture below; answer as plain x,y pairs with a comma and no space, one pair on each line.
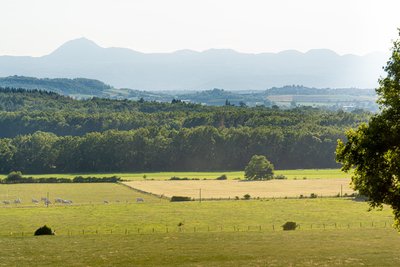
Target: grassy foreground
367,247
333,232
290,174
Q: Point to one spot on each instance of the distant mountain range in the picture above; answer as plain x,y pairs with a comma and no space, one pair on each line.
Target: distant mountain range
190,70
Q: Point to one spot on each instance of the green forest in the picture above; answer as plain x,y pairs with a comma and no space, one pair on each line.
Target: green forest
44,132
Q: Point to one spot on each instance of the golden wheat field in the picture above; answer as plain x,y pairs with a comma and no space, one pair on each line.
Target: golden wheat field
233,188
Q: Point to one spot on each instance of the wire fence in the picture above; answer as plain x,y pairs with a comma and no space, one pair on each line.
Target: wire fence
211,229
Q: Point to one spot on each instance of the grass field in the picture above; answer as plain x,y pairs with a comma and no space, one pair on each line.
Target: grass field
159,214
78,193
290,174
362,247
333,231
231,189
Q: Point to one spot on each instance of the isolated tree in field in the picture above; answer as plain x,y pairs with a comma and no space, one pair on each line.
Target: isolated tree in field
259,168
373,150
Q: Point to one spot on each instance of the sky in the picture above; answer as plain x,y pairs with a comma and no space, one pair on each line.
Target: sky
359,27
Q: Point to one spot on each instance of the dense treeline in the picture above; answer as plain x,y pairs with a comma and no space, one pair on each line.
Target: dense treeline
152,148
45,132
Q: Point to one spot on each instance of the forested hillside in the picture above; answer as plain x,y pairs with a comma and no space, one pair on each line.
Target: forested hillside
46,132
77,86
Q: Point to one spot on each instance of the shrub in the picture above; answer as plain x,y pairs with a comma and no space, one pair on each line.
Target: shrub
175,178
14,177
246,197
313,195
280,177
180,198
89,179
44,230
222,177
289,226
236,198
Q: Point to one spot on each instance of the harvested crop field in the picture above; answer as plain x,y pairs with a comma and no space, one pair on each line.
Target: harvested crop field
231,189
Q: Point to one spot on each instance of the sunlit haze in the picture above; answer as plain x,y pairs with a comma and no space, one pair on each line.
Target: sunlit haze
358,27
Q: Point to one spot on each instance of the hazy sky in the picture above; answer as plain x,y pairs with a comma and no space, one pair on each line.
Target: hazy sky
36,27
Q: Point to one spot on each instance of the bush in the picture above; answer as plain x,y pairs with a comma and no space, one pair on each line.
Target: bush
44,230
89,179
280,177
175,178
222,177
246,197
180,198
313,195
289,226
14,177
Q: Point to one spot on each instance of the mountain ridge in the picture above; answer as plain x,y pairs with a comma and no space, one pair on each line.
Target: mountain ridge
193,70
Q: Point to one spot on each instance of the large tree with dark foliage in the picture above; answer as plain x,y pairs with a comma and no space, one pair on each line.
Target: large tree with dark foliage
259,168
373,150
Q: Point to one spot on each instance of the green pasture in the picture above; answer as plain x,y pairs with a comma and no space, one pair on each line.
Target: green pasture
361,247
333,231
290,174
86,193
161,214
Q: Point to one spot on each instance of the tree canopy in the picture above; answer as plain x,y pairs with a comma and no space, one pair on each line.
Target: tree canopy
373,149
259,168
44,132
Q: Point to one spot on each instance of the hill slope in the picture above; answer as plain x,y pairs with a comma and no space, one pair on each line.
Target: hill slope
77,86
